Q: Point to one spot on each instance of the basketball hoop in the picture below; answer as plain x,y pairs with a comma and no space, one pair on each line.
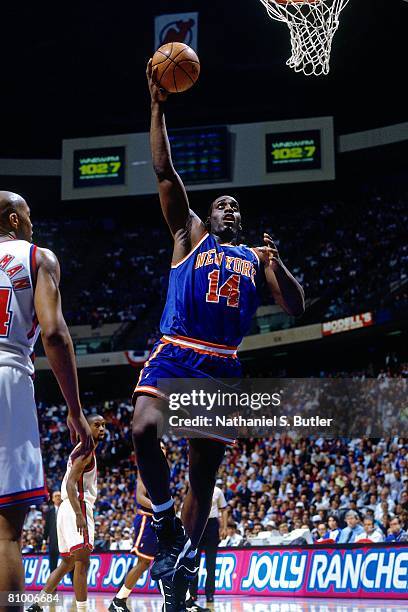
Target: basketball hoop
312,25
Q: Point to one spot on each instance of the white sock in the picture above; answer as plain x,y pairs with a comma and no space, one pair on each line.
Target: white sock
163,507
124,593
82,606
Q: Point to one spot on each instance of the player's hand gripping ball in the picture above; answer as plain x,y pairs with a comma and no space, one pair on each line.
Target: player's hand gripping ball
175,67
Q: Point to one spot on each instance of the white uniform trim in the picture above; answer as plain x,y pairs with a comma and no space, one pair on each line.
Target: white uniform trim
191,252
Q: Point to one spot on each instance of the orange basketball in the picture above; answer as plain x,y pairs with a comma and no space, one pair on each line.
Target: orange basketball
177,65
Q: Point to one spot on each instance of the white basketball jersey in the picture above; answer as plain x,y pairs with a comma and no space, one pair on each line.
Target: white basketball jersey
18,322
87,484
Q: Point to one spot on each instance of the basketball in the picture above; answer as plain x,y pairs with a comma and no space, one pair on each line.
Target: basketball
177,67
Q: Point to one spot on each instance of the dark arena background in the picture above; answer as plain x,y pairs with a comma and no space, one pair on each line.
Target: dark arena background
74,89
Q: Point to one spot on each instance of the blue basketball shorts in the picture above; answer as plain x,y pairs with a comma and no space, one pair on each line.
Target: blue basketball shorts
181,357
145,545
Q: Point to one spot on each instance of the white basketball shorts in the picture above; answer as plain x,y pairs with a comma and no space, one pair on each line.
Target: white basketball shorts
69,539
21,468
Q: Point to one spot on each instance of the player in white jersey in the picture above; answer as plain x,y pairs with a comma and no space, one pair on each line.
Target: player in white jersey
75,520
29,301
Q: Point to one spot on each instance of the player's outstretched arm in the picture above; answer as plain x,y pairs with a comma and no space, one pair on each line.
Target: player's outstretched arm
173,196
58,344
283,286
75,474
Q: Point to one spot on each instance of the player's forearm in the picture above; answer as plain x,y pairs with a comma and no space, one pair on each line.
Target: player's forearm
73,497
60,353
159,143
292,294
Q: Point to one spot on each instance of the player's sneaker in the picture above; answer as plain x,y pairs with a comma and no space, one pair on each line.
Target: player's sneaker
174,590
118,605
173,544
192,606
187,565
34,608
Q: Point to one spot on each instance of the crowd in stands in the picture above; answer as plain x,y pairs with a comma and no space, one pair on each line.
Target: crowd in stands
278,489
349,256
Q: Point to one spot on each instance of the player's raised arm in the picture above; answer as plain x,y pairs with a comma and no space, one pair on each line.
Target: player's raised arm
58,344
173,196
284,288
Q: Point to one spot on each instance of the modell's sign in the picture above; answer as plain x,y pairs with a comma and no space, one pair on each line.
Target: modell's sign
348,323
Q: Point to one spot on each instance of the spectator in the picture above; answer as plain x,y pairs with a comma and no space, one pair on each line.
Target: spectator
349,534
334,531
233,537
322,533
370,531
396,533
118,543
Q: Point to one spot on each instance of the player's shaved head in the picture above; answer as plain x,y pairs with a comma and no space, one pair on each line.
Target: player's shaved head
14,216
94,417
9,203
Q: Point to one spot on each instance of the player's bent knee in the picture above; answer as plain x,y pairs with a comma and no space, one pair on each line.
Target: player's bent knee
81,556
144,563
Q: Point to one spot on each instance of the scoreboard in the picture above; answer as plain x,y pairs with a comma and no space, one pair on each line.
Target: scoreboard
201,155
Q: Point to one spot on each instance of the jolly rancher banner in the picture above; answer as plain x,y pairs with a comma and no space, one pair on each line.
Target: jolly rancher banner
368,571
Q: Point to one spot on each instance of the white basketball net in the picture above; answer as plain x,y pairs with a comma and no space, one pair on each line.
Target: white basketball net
312,25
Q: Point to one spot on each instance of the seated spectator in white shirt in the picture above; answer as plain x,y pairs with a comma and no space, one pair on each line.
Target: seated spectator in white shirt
119,543
370,531
233,537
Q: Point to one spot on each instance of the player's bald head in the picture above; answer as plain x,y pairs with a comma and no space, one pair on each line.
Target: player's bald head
94,417
14,216
10,202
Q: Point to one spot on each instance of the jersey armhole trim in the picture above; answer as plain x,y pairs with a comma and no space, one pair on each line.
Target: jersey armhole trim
33,265
173,266
256,255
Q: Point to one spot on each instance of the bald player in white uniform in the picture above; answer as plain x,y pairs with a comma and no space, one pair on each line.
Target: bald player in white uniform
29,301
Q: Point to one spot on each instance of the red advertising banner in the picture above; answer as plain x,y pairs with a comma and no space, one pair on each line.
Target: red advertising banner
347,324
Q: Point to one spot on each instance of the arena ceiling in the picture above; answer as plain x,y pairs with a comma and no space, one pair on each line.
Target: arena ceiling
78,69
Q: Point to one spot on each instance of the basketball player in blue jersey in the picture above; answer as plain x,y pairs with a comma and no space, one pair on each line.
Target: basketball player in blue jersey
213,293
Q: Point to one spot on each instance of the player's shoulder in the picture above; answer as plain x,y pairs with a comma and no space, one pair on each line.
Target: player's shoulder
46,257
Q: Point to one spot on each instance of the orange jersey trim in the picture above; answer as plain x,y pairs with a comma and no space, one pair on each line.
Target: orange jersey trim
198,346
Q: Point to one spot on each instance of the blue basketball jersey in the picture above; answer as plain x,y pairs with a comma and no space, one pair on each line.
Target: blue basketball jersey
213,293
